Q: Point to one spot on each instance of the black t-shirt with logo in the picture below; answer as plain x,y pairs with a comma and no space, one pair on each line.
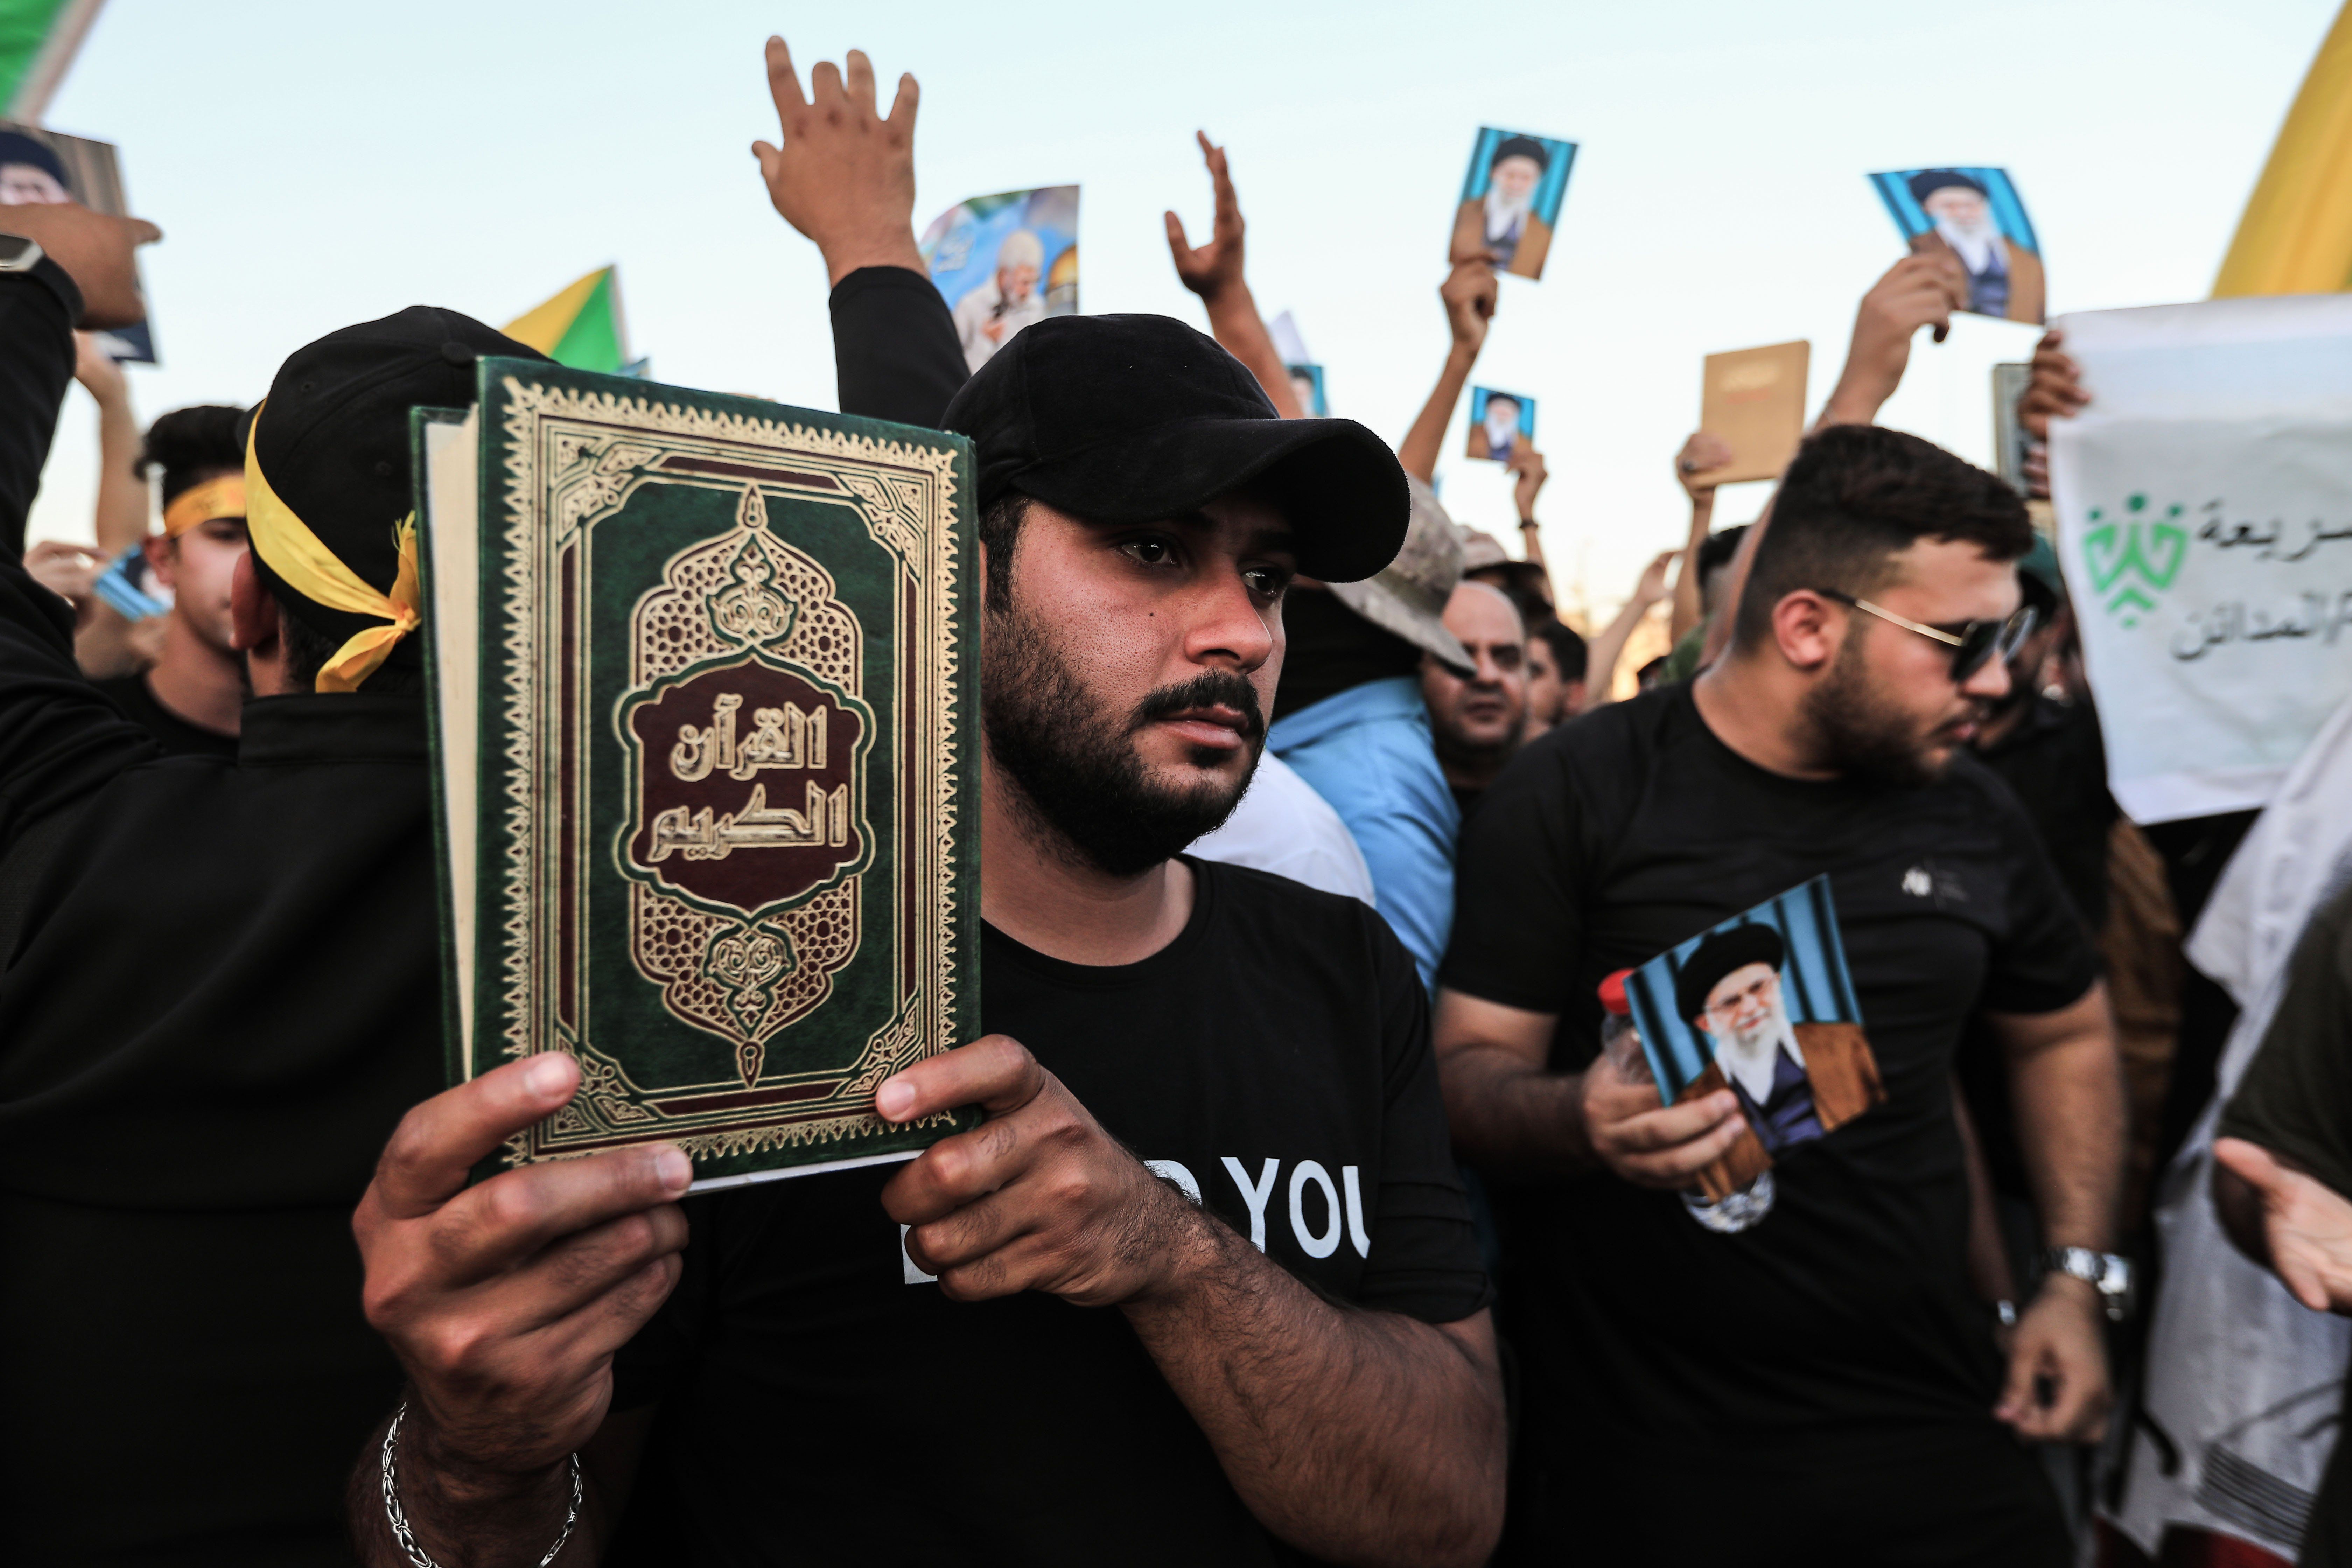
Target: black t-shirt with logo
820,1402
1844,1320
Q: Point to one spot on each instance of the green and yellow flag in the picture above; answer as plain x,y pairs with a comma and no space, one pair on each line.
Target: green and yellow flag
580,327
37,41
2295,236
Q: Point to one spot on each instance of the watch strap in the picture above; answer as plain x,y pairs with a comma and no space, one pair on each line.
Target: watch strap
2108,1273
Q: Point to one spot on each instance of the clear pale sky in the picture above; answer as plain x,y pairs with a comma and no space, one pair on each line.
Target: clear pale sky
318,165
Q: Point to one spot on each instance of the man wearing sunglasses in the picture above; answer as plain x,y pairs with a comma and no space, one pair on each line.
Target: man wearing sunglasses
1825,1377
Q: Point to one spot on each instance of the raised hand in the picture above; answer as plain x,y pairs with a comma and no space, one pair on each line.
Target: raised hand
844,175
506,1300
2307,1223
1469,294
1038,1197
1653,584
2056,390
1648,1143
96,251
1921,289
1214,270
1527,465
69,571
1702,454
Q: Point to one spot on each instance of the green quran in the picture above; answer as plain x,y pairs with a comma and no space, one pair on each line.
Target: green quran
701,677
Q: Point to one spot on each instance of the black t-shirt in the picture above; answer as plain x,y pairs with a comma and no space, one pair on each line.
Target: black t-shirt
821,1403
1843,1320
174,734
2296,1101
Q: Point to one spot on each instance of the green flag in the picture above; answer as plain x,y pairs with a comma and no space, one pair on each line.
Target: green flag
37,41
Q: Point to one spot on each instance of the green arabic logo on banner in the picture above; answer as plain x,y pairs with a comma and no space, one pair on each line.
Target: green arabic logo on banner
2149,551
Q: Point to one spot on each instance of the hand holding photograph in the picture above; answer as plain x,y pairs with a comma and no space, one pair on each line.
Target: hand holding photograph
1510,199
1763,1004
1976,213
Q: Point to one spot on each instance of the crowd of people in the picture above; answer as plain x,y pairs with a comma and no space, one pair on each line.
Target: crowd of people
1317,845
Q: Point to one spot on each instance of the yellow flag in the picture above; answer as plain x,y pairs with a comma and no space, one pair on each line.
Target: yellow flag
2295,236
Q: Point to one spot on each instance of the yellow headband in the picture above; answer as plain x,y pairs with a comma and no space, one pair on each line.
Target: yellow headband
287,544
221,496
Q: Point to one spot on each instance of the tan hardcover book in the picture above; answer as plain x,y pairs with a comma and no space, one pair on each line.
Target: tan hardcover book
1755,400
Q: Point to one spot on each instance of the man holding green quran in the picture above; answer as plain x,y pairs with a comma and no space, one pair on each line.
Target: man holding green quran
1202,1288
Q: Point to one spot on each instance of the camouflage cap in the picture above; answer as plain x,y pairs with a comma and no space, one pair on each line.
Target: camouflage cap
1479,550
1408,596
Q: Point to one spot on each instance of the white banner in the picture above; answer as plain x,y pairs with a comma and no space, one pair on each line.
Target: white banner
2204,506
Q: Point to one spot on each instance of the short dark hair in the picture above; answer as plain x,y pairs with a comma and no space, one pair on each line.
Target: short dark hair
1718,548
190,446
1568,649
999,531
1854,497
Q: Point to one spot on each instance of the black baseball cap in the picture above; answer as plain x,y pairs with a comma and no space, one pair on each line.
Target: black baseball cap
1125,419
333,439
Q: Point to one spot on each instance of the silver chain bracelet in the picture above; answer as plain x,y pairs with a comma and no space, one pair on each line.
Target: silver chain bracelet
406,1538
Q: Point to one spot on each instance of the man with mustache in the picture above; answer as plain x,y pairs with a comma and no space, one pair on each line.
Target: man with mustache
1203,1289
1827,1370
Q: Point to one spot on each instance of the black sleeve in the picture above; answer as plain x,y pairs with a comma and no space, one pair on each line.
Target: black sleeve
1424,1259
2044,959
2295,1099
895,349
1518,921
36,361
59,737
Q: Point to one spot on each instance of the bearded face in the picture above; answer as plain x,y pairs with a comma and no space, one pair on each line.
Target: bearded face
1873,730
1073,757
1744,1009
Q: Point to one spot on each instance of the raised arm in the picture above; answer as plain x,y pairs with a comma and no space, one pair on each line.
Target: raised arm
1468,294
1921,290
1600,672
122,520
1213,271
844,176
1704,451
59,738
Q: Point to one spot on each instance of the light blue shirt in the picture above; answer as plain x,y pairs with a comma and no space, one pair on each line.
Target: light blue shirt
1368,752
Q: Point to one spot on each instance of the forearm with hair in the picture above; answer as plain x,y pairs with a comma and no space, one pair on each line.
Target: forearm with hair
464,1519
1356,1437
1513,1117
1427,438
2069,1096
1234,322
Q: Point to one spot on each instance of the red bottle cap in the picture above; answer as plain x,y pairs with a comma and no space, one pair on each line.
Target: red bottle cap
1612,994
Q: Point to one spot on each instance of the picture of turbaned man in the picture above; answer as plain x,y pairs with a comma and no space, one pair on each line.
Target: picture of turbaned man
1510,200
1976,215
1762,1004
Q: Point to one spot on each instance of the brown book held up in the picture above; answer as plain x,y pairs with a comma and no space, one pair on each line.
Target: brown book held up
1755,400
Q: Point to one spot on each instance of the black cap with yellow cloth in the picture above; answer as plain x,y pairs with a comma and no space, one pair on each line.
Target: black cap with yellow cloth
330,500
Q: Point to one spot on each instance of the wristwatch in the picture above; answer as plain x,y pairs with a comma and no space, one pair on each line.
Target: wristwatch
18,253
2105,1272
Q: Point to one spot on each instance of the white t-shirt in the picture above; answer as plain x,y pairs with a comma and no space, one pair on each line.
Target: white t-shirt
1282,825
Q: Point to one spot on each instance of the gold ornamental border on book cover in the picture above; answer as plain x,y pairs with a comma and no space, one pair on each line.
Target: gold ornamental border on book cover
575,460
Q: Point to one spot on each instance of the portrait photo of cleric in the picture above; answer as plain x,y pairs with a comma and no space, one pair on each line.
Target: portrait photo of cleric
1761,1004
1975,213
1500,424
1510,200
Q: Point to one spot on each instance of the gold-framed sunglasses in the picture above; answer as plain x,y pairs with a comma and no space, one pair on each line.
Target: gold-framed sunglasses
1974,643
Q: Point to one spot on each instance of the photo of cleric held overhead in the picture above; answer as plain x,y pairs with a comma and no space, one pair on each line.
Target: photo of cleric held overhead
1510,199
1500,423
1763,1004
1977,214
1004,262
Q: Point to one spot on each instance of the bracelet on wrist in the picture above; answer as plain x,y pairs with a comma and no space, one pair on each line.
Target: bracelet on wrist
405,1538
